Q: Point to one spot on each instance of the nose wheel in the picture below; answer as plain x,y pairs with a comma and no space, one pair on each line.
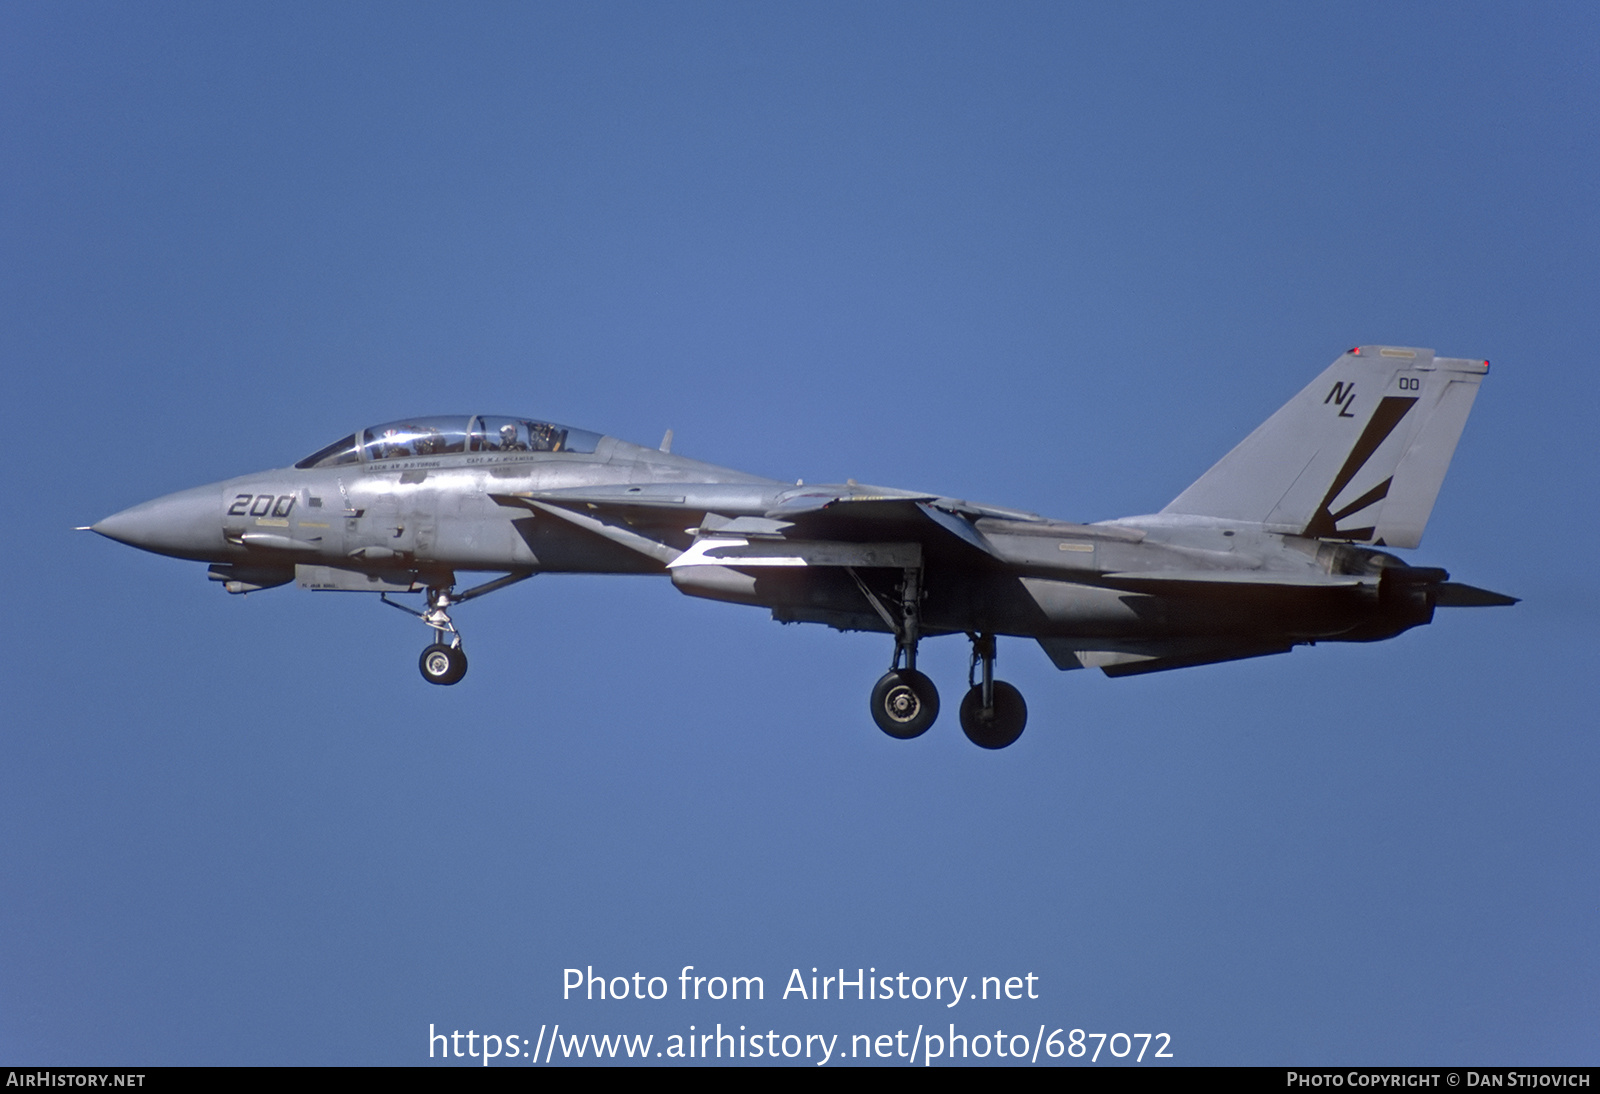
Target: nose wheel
443,664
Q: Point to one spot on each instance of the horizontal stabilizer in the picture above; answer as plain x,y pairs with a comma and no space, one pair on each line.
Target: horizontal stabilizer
1169,581
1184,661
1134,659
1455,595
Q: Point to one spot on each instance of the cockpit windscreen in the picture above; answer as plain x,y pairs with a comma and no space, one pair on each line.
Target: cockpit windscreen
451,435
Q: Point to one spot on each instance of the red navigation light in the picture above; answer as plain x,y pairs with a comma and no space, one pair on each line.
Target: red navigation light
1356,352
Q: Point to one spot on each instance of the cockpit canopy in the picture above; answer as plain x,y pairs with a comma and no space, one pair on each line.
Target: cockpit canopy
448,435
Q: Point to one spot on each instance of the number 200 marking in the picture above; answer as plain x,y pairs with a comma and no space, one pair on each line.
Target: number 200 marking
263,503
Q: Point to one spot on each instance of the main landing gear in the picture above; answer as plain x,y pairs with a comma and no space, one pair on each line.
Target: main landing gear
444,661
993,714
905,702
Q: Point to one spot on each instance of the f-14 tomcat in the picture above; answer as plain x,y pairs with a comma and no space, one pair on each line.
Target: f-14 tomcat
1276,546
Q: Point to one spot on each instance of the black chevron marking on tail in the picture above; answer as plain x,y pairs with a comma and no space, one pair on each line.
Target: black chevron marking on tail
1377,493
1391,409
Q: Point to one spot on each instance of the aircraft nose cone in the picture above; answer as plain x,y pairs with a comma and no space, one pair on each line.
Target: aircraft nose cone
187,524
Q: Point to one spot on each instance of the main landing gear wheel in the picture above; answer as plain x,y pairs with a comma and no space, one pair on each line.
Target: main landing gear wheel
904,703
999,725
443,664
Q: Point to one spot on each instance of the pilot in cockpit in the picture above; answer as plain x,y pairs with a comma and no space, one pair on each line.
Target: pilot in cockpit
508,439
543,437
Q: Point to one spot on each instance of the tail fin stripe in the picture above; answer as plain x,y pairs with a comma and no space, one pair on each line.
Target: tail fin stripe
1384,419
1388,415
1377,493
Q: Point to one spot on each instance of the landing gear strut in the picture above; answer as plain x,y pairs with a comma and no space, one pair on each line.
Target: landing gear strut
444,661
993,714
904,701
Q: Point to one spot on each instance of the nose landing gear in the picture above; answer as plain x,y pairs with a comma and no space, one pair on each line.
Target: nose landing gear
444,662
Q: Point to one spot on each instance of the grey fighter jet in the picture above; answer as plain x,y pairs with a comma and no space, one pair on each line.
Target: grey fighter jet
1275,546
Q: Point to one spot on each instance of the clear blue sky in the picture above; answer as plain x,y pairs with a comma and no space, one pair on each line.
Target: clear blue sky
1053,256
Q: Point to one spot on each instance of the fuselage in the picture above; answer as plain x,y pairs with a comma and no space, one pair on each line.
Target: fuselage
372,517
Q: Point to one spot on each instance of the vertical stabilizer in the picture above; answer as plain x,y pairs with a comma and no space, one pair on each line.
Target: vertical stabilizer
1359,455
